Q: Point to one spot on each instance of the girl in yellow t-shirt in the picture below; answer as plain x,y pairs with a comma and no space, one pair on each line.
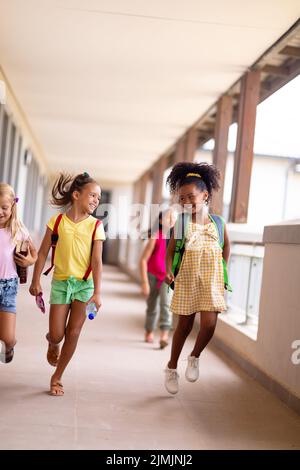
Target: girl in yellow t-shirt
77,264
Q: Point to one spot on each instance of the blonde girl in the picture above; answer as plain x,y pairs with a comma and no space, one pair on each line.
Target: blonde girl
12,234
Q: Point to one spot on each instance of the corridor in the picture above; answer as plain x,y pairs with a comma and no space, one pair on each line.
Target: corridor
114,393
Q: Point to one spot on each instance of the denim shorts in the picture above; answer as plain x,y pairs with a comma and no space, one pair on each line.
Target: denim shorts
8,294
65,292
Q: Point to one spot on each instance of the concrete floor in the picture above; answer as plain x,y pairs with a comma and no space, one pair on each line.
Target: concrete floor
114,393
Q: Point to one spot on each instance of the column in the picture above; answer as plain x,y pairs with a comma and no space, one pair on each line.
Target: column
223,121
243,159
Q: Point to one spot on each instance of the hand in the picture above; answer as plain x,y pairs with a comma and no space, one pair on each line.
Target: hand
145,289
35,288
97,300
28,259
24,260
169,278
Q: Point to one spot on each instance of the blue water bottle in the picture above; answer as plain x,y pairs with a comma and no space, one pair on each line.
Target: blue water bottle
91,311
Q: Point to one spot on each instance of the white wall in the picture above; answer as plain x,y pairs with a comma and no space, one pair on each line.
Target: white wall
121,198
274,189
292,209
267,190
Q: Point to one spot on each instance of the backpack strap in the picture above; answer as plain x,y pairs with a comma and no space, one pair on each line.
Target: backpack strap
54,239
180,232
220,226
89,269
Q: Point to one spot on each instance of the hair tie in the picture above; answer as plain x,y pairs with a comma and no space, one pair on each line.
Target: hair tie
16,199
85,174
194,174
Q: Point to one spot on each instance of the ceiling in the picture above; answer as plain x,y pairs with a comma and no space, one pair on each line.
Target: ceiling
109,85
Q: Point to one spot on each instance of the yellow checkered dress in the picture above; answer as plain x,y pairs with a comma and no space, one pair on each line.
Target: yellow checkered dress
199,285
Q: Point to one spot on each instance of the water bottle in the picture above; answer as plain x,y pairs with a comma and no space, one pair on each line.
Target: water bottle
91,311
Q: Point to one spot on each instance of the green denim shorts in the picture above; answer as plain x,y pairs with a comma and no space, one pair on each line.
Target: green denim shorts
65,292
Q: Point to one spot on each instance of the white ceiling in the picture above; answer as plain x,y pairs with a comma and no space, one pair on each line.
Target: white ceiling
109,85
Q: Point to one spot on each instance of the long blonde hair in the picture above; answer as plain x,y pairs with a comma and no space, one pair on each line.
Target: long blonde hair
14,225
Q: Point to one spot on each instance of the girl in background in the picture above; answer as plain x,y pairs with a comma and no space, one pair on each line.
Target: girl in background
153,272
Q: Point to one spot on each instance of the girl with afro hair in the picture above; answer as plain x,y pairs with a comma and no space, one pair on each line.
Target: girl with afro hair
199,284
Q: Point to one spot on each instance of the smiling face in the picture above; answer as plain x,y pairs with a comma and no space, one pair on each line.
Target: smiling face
88,198
192,198
5,210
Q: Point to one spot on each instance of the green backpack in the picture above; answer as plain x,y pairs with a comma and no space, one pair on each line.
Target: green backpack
180,231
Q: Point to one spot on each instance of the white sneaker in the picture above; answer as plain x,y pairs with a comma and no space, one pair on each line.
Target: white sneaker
192,370
171,380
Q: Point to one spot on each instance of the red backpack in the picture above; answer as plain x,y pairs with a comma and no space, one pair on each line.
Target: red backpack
54,240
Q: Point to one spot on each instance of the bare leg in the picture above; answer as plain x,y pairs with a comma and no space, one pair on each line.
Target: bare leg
57,326
74,326
183,329
207,329
8,333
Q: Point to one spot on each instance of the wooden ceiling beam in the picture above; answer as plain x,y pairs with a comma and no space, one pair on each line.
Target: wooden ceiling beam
291,51
274,84
281,71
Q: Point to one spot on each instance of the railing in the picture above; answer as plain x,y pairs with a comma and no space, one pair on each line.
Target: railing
245,275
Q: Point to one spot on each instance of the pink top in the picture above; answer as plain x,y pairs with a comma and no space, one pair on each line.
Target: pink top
8,268
7,265
157,260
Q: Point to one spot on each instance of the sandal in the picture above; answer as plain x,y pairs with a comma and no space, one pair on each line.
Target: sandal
52,356
164,339
56,389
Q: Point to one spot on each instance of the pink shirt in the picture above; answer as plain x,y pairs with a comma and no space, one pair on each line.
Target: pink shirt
7,264
157,260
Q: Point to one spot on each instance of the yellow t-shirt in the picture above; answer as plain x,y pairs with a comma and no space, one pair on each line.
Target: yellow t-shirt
73,249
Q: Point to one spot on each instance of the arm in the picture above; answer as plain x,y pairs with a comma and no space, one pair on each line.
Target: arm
96,264
35,287
226,247
169,260
29,259
148,250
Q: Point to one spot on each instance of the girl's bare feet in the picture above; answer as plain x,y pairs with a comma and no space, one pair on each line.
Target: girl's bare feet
53,352
56,387
149,338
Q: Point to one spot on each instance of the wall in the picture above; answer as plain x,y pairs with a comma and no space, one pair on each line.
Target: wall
29,139
274,188
279,315
121,198
22,162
